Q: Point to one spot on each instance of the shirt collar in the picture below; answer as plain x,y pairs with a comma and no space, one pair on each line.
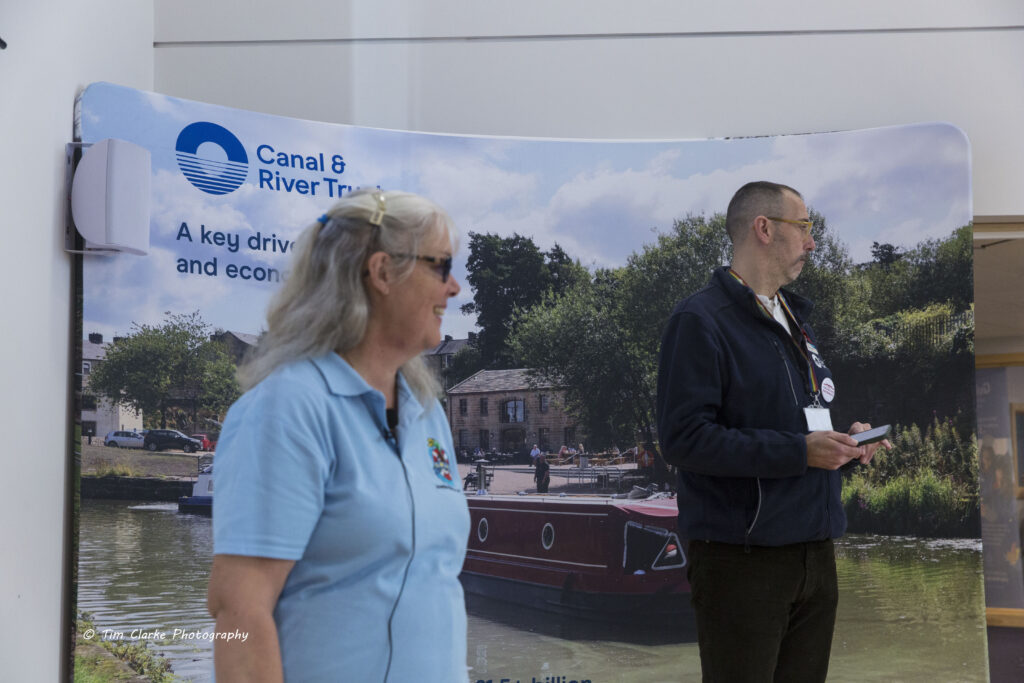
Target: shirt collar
769,302
340,377
342,380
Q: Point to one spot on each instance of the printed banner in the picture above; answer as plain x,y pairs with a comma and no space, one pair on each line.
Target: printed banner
573,254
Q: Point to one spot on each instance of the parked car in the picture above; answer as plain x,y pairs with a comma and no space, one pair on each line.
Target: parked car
207,445
122,439
159,439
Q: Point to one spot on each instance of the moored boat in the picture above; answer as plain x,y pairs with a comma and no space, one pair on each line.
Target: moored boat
586,556
201,500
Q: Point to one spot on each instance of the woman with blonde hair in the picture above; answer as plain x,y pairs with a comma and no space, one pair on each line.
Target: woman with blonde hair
340,525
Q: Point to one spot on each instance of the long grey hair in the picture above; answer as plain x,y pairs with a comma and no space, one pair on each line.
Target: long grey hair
322,305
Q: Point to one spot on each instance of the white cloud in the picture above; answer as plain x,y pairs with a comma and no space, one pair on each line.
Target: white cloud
599,201
470,187
124,288
168,107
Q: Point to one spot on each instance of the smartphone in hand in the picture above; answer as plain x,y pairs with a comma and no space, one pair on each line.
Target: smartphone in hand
872,435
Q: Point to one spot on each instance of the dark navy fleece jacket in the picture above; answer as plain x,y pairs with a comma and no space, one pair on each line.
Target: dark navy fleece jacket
732,385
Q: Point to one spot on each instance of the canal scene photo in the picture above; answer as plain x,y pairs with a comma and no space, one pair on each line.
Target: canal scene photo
910,609
572,256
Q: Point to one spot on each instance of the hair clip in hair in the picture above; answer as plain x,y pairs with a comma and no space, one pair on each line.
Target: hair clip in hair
323,219
377,217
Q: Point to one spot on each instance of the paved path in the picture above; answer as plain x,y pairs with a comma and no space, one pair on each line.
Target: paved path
513,478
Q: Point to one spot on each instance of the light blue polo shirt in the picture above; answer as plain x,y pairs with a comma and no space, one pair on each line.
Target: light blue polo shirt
303,472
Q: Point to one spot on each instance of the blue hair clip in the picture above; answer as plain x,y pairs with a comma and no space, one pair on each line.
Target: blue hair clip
323,219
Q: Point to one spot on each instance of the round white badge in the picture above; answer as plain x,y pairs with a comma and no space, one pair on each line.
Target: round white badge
828,389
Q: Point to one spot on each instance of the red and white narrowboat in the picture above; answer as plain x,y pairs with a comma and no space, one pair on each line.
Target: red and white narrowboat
585,556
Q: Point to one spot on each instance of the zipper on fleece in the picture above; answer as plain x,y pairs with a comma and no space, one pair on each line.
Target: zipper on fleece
757,513
828,512
789,375
796,402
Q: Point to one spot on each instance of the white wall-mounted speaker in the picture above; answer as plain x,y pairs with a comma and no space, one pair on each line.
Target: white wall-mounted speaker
110,197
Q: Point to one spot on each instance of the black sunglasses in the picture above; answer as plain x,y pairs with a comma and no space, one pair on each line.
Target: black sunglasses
441,265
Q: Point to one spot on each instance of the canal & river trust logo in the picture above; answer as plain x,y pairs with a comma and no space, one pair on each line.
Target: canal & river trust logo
211,175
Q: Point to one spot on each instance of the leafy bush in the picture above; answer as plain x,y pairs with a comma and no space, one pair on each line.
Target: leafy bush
940,450
927,485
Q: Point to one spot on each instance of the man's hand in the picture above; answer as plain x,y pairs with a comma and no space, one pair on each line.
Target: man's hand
867,452
831,450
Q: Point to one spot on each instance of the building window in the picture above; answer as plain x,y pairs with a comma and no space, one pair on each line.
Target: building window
86,367
570,437
544,438
463,439
463,406
88,401
543,403
514,411
483,406
485,440
88,428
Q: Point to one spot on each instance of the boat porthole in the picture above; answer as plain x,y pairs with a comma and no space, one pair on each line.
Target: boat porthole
547,536
481,529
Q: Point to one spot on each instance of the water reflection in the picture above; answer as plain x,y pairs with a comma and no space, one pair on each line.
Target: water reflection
525,619
505,642
910,609
146,567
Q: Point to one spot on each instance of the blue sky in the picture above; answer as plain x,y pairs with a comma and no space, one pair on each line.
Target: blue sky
600,200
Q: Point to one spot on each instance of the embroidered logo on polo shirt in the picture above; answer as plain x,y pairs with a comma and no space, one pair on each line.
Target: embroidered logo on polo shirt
441,466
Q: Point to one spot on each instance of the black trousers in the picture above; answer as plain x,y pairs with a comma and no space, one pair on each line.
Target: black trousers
763,613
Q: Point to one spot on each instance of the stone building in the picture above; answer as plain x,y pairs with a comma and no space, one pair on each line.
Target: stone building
99,415
440,357
499,410
237,344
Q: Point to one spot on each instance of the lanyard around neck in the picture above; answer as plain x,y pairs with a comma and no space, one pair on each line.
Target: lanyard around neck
796,325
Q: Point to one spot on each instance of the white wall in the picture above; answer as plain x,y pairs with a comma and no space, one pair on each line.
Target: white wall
54,49
603,69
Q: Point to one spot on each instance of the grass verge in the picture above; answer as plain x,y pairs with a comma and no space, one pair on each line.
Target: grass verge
92,664
99,460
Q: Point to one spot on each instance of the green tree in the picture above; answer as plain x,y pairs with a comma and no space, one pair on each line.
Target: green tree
574,342
906,324
218,389
599,340
885,254
464,364
825,281
506,274
944,271
678,264
934,271
155,368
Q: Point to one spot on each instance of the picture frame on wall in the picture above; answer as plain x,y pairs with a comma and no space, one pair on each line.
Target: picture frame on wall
1017,459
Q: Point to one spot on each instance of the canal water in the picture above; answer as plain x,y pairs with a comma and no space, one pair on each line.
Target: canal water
910,609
